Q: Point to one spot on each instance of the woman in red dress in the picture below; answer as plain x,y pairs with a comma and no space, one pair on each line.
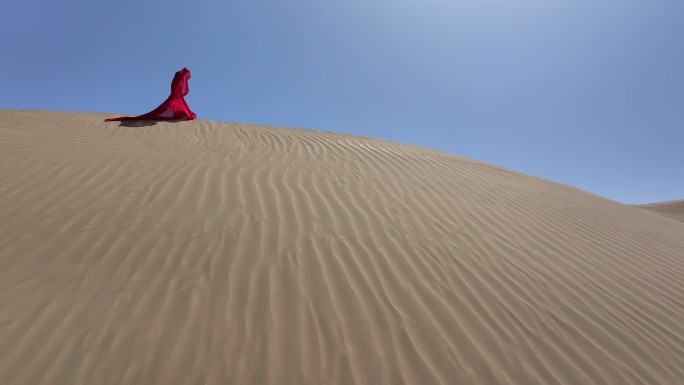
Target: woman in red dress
174,107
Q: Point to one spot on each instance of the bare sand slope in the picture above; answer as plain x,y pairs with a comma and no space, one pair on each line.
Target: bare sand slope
215,253
673,209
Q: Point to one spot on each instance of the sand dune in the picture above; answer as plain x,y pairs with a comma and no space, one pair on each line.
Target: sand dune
218,253
673,209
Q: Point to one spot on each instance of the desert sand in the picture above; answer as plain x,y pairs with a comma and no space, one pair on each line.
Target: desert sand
202,252
673,209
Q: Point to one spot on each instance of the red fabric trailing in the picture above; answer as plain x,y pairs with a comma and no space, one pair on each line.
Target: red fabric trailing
174,107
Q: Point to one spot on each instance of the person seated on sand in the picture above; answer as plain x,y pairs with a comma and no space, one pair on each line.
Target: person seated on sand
174,107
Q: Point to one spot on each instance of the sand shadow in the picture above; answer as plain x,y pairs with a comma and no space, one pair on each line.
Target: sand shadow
146,123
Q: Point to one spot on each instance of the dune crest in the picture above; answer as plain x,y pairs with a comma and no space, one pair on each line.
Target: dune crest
219,253
672,209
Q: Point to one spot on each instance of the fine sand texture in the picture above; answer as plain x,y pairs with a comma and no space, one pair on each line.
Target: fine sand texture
673,209
201,252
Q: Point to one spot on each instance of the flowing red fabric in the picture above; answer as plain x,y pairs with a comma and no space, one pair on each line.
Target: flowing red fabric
174,107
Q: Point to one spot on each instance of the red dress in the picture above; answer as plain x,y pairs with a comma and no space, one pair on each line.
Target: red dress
174,107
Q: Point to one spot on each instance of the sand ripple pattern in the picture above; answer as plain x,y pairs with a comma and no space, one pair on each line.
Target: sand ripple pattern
217,253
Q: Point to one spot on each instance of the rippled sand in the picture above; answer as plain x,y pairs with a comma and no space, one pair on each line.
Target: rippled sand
219,253
673,209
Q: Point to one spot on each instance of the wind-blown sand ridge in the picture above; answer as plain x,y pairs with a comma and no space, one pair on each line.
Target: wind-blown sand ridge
673,209
201,252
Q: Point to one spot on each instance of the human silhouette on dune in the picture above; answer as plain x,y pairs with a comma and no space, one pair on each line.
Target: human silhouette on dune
174,107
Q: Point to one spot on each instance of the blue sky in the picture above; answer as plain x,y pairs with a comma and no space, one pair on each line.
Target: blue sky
587,93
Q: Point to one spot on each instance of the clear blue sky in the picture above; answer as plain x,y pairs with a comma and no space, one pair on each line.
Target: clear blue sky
587,93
